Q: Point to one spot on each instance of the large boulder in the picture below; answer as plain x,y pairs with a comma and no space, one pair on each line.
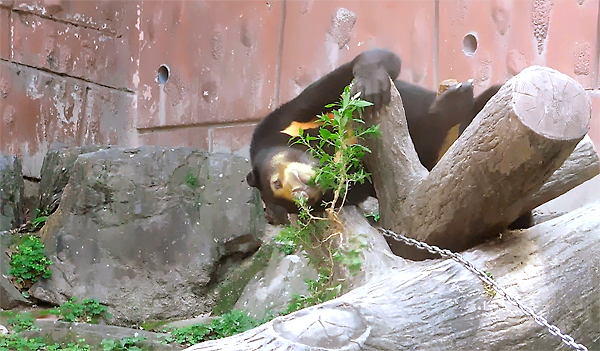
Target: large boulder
56,170
148,230
271,289
11,192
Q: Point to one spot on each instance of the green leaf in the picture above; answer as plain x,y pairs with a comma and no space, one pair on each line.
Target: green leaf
362,103
325,134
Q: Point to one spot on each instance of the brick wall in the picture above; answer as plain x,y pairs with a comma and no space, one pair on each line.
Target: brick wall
201,73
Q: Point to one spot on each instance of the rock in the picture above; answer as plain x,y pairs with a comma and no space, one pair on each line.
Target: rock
11,192
63,332
10,297
56,170
271,289
31,193
237,276
145,231
201,319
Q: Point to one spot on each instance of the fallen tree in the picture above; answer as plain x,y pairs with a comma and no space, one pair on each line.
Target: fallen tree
506,161
439,305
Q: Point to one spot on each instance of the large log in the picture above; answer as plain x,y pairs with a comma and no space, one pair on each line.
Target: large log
394,161
582,165
439,305
486,178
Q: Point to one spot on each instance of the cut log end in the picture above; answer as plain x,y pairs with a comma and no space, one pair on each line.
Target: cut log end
551,103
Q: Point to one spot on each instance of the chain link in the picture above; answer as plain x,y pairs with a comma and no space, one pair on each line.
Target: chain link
483,277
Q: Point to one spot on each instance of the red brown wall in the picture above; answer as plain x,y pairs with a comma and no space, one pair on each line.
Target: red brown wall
81,72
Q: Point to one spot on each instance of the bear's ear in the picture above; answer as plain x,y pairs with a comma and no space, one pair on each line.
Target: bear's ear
251,179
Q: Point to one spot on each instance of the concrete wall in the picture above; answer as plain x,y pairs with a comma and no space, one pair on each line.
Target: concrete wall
202,73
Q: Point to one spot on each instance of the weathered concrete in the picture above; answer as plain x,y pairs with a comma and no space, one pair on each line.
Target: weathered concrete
150,231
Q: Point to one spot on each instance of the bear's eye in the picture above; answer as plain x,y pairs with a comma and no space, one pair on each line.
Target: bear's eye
277,184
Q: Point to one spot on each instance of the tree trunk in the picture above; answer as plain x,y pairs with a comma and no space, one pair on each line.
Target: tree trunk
439,305
582,165
486,178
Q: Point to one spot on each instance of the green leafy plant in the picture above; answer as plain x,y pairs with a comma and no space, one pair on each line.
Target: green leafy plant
71,346
319,291
41,216
191,180
86,311
189,335
489,290
130,343
375,216
286,240
342,132
339,151
21,322
29,261
223,326
15,342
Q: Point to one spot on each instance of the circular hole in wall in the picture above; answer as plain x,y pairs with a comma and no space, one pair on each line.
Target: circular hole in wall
162,75
469,44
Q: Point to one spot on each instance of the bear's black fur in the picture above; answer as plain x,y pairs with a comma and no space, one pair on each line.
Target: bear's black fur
429,117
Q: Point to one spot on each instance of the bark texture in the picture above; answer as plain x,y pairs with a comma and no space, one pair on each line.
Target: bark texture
439,305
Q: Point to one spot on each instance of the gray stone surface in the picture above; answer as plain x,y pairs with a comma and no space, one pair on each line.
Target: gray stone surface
144,230
11,192
31,194
10,297
271,288
56,170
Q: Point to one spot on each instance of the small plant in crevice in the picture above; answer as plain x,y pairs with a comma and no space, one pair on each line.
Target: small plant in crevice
321,237
86,311
129,343
41,216
228,324
375,216
28,262
191,180
489,290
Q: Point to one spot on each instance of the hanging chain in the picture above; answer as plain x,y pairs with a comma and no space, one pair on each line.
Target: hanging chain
487,280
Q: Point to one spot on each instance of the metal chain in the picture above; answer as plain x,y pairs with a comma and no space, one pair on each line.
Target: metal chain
483,277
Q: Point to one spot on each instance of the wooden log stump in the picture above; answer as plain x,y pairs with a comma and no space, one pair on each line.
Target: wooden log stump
485,179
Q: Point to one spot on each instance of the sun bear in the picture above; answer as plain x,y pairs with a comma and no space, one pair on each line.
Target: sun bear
281,171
